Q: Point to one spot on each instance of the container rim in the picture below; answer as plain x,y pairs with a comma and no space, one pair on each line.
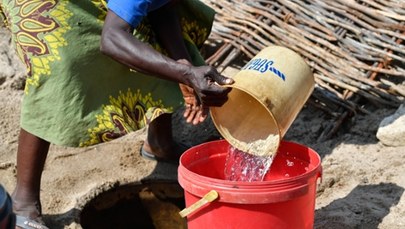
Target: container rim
248,192
316,168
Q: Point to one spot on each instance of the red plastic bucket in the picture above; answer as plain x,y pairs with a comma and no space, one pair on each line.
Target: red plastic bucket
285,199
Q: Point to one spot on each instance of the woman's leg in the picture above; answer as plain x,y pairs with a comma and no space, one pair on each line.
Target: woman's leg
31,157
159,141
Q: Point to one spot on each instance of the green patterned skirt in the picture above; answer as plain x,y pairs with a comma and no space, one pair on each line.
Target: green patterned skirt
74,95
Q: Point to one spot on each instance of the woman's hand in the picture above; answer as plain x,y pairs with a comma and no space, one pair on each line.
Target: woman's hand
194,112
206,91
207,84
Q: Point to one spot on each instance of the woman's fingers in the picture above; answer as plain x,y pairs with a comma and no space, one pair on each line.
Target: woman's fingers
195,114
203,113
187,111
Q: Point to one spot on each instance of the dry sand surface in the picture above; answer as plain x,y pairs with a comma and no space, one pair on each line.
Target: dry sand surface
362,187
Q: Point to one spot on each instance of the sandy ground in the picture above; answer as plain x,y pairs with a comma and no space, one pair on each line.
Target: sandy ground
362,187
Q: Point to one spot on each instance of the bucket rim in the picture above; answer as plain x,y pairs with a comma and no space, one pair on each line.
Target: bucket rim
252,192
316,168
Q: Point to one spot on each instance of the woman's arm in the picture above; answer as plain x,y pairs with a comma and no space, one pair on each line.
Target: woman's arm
166,25
118,42
165,21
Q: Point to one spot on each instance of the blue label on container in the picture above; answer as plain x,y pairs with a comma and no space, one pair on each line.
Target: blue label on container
262,66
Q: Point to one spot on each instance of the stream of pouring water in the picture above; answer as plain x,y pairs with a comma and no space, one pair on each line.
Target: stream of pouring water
241,166
251,161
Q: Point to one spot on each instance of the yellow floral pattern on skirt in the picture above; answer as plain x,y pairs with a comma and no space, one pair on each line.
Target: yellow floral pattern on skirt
124,115
74,96
38,27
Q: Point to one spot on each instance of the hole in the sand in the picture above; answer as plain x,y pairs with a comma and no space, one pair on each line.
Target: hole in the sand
152,205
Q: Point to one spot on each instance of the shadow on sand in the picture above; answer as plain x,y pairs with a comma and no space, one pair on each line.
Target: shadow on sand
367,205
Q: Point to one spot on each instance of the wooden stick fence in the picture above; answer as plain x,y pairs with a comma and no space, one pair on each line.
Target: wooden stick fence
355,47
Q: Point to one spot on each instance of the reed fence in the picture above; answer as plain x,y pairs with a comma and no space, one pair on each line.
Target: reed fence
354,47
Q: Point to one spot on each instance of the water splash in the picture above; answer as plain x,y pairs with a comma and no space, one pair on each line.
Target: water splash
241,166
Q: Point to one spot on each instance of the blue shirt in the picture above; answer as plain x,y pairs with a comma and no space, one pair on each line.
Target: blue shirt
133,11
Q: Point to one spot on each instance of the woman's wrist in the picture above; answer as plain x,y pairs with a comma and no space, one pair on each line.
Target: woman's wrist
186,72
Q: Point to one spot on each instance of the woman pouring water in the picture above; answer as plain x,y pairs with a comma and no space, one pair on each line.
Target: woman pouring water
76,96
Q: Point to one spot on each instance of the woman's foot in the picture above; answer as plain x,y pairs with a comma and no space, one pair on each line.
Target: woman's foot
175,153
28,215
159,141
22,222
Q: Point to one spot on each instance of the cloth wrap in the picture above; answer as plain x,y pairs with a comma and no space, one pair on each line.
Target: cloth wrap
74,95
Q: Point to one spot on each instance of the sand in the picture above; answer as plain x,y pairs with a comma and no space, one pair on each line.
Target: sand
362,185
